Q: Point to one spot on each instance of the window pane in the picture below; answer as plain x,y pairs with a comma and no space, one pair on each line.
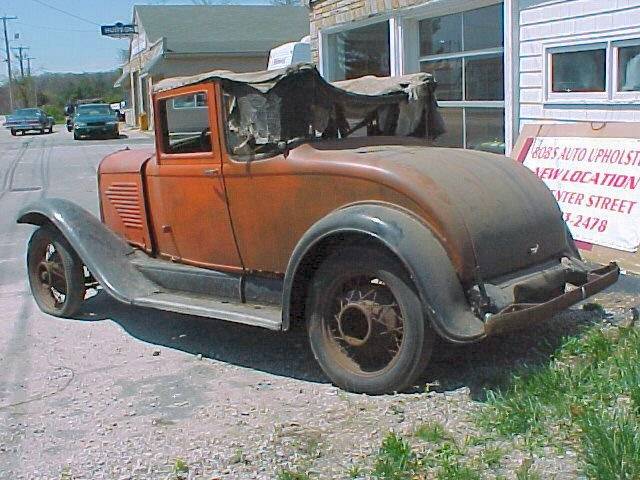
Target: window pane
484,78
185,129
448,74
485,129
583,71
360,51
441,35
453,124
184,101
629,69
484,28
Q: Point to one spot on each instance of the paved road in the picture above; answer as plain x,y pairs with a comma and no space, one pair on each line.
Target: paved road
122,392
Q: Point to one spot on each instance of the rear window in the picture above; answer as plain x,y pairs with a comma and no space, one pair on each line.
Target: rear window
27,112
94,110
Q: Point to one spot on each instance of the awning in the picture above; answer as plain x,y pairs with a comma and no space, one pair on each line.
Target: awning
152,66
121,78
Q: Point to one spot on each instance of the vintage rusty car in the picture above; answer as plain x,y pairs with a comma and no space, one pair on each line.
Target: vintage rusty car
276,198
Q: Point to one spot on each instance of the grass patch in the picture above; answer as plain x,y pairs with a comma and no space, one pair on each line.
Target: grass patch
433,432
611,446
492,456
591,391
396,460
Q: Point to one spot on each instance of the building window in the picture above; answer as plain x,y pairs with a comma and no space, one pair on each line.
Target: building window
603,72
359,51
581,71
465,53
198,100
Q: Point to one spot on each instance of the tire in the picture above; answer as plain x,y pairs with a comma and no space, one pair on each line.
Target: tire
42,130
13,132
76,136
69,128
50,129
55,271
358,300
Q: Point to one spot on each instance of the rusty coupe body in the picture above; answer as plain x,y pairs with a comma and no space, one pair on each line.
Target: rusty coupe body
276,198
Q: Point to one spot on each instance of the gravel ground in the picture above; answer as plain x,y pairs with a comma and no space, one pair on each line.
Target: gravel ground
124,392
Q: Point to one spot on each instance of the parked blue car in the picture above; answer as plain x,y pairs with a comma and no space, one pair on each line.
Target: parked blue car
28,119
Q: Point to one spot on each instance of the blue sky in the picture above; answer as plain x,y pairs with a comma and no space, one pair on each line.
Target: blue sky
62,43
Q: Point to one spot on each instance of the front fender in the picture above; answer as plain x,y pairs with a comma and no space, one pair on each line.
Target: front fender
106,255
415,245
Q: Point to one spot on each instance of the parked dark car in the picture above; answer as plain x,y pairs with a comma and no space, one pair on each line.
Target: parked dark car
28,119
95,119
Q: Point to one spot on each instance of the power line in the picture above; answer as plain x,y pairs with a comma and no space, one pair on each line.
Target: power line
66,13
54,28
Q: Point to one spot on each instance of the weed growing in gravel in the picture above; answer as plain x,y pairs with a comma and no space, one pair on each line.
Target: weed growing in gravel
396,460
180,468
433,432
526,472
492,456
588,396
293,475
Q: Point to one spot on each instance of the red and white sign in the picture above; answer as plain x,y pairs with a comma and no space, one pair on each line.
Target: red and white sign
596,182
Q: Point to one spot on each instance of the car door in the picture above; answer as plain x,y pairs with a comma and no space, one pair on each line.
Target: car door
190,217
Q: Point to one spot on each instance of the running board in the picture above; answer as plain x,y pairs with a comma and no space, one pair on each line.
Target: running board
190,304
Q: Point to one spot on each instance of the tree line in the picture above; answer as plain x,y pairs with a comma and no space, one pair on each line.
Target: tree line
52,91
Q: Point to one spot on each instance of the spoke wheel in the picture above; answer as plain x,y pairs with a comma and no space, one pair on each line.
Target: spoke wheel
366,324
56,274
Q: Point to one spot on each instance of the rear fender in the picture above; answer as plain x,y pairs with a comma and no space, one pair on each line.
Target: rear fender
105,254
414,244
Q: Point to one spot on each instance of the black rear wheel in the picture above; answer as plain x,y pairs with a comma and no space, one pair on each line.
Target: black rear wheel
13,132
366,324
56,273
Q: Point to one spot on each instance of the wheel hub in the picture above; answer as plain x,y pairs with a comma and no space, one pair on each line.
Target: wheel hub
355,321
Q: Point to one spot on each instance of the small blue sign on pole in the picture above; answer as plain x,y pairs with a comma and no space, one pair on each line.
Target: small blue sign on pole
118,30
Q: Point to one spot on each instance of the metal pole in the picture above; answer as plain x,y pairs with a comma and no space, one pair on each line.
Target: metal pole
20,49
6,46
32,79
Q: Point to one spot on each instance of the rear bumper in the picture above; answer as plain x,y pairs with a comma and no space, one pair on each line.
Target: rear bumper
96,130
25,127
521,315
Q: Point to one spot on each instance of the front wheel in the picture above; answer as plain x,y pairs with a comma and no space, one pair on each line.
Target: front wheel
14,132
56,274
366,324
76,136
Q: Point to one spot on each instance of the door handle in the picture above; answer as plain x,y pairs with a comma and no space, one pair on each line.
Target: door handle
211,172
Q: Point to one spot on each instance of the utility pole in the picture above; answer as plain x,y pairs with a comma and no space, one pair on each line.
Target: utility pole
6,46
28,59
32,79
20,49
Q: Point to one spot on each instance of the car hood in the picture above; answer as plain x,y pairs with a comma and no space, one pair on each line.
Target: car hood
94,118
491,206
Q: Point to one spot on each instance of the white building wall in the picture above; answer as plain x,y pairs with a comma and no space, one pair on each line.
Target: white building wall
557,23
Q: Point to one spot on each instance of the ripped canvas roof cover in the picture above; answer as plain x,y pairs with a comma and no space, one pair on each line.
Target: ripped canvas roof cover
264,81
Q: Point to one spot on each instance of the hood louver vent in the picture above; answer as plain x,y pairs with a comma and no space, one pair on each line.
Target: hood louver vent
125,198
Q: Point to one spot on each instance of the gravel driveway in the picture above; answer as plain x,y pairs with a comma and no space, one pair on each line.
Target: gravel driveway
125,392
